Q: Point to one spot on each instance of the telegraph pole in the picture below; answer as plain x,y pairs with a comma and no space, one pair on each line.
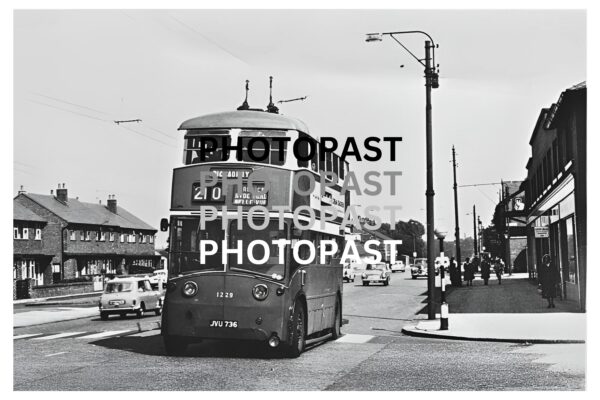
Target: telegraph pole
474,231
430,81
456,228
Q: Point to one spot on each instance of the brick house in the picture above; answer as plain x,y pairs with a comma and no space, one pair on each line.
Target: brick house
77,238
30,256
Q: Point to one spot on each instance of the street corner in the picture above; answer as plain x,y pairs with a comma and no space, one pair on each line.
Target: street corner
515,328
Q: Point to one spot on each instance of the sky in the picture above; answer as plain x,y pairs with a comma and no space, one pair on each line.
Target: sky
75,72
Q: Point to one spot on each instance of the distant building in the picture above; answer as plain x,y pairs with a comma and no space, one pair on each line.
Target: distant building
556,191
510,220
58,238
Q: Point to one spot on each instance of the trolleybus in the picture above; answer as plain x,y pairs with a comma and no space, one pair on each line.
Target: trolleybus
286,305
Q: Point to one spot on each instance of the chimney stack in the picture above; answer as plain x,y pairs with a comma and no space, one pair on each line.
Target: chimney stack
111,203
21,190
61,193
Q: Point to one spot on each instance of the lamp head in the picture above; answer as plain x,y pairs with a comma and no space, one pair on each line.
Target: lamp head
373,37
440,234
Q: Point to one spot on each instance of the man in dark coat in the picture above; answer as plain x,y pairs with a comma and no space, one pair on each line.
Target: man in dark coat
498,269
549,279
454,273
485,270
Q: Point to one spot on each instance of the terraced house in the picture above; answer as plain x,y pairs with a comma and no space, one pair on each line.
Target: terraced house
58,239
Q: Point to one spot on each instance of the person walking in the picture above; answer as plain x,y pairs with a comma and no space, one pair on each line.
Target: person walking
549,278
469,275
498,269
485,270
454,273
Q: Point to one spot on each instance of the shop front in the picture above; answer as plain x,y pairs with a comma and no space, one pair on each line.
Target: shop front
552,230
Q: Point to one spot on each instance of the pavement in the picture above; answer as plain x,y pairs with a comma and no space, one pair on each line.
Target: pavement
57,314
511,312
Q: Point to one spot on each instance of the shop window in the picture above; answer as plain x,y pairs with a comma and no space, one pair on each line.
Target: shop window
571,250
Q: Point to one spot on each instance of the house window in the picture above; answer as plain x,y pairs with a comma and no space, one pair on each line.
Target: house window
81,235
122,238
25,233
88,236
151,238
102,236
131,238
72,234
111,236
38,234
16,233
143,237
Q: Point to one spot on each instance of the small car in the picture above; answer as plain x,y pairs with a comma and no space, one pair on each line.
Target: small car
419,268
129,295
376,273
349,273
398,266
158,275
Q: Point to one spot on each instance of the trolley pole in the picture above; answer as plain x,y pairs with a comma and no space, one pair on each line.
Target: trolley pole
457,226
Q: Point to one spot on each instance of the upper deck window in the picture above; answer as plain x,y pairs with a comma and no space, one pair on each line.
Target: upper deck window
258,142
191,152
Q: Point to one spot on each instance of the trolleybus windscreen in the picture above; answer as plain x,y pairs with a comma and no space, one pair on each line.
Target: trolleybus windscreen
246,234
186,245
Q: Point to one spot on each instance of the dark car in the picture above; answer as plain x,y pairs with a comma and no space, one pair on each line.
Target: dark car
140,270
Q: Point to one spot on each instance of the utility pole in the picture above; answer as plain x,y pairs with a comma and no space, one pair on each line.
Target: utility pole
474,231
457,226
430,81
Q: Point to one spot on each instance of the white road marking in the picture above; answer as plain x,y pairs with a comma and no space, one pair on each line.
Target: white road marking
352,338
59,336
153,332
26,335
56,354
103,334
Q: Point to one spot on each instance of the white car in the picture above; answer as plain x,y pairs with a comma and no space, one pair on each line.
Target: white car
159,275
376,273
398,267
349,273
129,295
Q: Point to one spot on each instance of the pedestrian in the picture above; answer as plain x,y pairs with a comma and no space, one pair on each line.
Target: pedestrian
469,275
485,270
454,273
549,278
498,269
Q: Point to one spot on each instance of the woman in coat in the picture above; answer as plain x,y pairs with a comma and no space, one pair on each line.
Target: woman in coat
549,279
485,270
469,274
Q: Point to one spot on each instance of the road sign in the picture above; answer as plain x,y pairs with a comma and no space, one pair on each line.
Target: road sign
541,231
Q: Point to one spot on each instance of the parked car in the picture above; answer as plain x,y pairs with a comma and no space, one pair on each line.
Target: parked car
349,273
419,268
159,275
398,267
129,295
376,273
140,269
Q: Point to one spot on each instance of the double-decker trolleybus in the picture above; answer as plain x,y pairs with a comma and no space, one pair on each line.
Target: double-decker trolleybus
287,305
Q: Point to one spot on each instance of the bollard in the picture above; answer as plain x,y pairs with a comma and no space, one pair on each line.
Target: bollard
444,305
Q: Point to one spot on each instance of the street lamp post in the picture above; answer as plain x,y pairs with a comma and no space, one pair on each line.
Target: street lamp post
431,82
